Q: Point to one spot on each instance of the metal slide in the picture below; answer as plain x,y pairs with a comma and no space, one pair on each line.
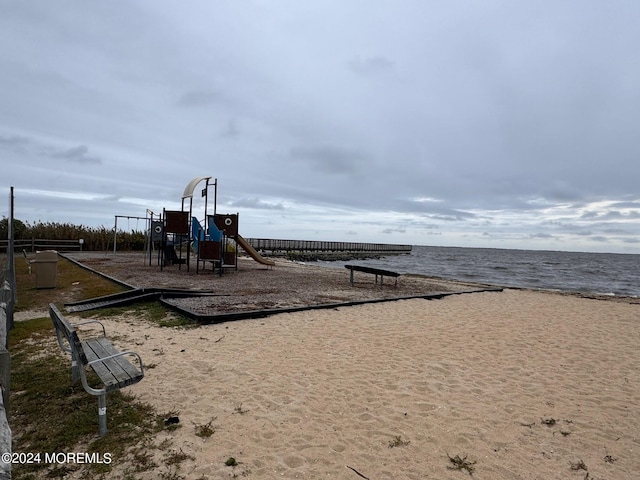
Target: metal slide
253,253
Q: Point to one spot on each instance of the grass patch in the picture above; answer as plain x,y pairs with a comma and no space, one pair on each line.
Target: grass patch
35,329
579,465
398,442
461,463
239,409
73,283
176,457
48,414
206,430
153,312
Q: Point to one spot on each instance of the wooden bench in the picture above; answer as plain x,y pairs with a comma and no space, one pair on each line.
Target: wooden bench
375,271
112,367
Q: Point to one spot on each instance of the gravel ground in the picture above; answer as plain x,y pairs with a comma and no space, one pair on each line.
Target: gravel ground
256,287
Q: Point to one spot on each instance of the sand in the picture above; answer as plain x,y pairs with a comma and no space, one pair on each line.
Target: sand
527,385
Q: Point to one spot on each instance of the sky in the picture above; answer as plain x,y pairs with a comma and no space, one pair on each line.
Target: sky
495,124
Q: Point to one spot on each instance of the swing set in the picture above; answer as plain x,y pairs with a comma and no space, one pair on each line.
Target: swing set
149,221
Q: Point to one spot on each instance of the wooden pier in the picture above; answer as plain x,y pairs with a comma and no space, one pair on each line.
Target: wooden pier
287,246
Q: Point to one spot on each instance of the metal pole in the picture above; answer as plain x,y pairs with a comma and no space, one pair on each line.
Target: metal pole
215,196
115,235
102,414
149,235
12,266
206,200
189,234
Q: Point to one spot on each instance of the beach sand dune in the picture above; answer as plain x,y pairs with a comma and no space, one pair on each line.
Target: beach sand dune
525,385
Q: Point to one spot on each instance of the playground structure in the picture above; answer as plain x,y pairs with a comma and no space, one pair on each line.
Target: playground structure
179,234
215,242
180,237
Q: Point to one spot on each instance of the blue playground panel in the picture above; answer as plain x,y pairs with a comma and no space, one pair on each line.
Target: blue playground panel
198,233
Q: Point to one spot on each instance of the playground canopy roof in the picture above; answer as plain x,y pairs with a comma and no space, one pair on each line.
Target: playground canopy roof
188,190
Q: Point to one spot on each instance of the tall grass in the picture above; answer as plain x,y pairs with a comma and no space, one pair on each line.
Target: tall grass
95,238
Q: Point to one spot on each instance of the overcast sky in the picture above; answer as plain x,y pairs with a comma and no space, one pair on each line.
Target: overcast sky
508,124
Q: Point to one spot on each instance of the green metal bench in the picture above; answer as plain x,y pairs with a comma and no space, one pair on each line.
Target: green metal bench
113,368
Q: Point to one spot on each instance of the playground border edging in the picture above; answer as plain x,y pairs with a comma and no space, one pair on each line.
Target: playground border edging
104,275
252,314
205,319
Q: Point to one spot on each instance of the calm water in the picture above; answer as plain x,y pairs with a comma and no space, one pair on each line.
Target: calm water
603,273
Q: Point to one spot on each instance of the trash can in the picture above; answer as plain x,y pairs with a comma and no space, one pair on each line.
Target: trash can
46,266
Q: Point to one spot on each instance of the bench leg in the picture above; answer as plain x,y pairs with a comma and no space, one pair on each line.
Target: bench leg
75,372
102,414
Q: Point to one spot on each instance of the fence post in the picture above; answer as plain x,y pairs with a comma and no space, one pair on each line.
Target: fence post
6,322
5,375
5,358
7,301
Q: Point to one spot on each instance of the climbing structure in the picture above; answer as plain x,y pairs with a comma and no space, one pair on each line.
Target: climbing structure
175,235
218,245
216,242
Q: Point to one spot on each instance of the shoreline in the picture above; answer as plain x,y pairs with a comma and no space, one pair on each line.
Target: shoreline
593,273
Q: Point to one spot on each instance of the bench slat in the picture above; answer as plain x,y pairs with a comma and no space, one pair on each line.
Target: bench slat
109,381
115,372
125,371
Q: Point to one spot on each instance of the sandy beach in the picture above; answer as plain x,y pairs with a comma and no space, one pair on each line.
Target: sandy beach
525,385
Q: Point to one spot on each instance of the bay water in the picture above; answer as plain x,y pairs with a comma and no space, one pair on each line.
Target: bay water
598,273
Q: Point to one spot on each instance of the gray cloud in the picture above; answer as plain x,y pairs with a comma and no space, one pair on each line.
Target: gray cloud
79,154
231,130
390,231
500,125
198,98
370,65
255,203
541,236
330,159
15,142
